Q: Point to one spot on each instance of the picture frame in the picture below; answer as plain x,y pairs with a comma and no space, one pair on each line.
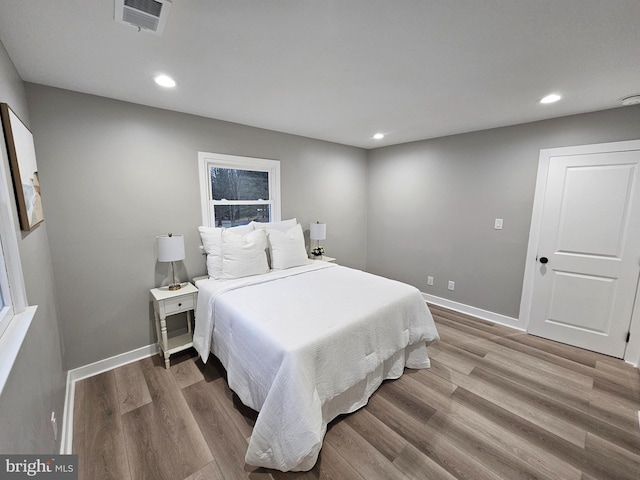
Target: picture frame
24,168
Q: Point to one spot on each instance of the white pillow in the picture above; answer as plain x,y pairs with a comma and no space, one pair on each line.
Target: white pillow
287,248
243,255
211,240
283,226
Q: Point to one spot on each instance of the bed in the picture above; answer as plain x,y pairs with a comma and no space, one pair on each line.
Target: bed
304,344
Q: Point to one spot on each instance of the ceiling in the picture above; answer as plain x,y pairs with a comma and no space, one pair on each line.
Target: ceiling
341,70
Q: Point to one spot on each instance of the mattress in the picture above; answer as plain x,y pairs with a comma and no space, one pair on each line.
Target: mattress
306,344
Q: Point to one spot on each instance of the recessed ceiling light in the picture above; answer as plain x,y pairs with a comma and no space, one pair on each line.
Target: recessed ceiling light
379,136
165,81
631,100
554,97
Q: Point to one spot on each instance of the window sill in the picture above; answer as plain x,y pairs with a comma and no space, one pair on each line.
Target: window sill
12,340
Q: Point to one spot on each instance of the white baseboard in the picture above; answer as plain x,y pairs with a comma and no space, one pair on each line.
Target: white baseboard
476,312
486,315
66,437
101,366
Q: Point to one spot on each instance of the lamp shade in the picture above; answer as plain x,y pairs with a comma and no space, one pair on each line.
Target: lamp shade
318,231
170,248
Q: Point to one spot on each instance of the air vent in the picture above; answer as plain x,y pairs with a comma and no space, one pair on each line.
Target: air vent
145,15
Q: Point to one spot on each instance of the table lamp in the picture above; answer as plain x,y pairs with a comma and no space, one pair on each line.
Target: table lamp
317,232
171,249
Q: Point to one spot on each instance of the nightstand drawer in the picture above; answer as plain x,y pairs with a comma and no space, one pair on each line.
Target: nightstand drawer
178,304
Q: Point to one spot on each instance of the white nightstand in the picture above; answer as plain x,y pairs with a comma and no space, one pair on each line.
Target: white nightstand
324,258
171,302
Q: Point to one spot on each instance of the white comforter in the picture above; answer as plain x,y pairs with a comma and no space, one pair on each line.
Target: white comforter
306,344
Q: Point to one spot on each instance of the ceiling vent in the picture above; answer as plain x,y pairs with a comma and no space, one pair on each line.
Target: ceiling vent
147,15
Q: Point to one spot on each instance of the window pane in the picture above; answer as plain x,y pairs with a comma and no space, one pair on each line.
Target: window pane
233,184
233,215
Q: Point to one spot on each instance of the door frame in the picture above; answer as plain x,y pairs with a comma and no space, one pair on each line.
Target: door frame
632,352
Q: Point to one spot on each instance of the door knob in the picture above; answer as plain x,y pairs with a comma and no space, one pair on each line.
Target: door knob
544,260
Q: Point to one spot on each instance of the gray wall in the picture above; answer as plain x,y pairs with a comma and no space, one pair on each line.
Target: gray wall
432,205
36,385
114,175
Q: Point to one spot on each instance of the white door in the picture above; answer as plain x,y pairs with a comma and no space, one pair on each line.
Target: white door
588,255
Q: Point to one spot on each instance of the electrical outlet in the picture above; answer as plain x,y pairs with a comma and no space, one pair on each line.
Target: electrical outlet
55,425
429,280
452,285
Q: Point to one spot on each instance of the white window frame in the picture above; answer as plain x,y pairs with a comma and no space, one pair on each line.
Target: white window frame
16,316
11,279
219,160
6,310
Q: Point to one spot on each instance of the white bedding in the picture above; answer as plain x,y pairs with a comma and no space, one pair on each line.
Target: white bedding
306,344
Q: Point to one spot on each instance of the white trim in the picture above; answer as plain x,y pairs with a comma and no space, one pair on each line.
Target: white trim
632,352
66,436
526,300
476,312
484,315
239,163
16,319
13,288
80,373
6,311
110,363
11,341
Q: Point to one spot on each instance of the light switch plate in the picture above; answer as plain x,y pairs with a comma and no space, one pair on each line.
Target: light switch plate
498,224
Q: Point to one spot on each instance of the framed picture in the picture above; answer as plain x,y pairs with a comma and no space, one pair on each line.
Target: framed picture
24,169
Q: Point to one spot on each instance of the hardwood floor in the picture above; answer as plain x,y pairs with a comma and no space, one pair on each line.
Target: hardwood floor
496,404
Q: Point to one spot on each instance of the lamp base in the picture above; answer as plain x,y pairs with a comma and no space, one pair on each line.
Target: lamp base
175,286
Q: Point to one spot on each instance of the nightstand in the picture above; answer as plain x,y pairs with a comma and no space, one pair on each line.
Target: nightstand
324,258
171,302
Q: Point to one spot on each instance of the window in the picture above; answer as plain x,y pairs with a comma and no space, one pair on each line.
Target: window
237,190
13,297
15,314
6,310
12,290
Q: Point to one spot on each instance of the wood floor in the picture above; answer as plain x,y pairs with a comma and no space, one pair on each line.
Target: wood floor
496,404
